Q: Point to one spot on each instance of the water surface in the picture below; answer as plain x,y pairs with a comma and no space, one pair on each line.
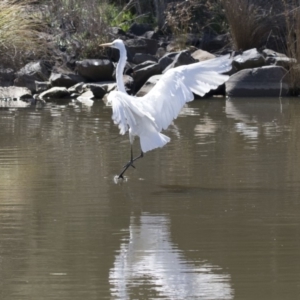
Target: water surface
213,215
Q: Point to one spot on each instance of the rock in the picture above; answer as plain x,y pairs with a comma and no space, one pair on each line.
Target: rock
41,86
55,93
140,45
213,43
202,55
140,29
7,77
87,94
140,76
268,81
32,72
65,80
129,83
86,98
15,92
166,60
77,88
96,88
95,69
182,58
116,31
161,51
278,59
141,57
152,35
249,59
143,65
149,84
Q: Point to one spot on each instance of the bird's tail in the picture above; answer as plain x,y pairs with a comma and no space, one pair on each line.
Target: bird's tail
153,140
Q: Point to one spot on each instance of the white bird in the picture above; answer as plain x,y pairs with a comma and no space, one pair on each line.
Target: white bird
147,116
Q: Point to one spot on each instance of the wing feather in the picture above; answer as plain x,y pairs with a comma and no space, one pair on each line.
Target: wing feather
176,87
126,111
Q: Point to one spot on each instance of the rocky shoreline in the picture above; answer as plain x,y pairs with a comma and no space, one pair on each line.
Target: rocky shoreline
255,73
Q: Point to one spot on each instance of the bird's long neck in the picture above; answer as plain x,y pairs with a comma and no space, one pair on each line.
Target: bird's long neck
119,72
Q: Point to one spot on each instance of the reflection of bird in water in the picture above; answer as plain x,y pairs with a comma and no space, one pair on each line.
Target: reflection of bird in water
151,263
147,116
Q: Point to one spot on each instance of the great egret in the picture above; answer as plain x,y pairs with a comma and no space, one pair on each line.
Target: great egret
146,116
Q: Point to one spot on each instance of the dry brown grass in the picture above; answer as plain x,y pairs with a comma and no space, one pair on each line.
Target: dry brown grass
251,22
20,33
292,17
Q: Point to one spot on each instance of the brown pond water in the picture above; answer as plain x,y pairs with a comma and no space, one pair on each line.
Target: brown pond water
213,215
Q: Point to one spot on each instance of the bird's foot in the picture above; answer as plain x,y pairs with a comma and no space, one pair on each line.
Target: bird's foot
129,164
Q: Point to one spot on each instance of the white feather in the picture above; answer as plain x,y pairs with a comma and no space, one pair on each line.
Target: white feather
146,116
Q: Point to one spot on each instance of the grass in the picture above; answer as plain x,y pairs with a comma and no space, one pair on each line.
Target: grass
251,22
20,34
292,17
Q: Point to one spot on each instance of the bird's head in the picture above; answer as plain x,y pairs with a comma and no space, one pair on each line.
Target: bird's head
118,44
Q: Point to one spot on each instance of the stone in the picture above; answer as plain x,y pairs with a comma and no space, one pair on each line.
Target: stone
141,57
41,86
65,80
55,93
15,92
143,65
166,60
30,73
139,29
77,88
7,77
95,69
249,59
278,59
149,84
267,81
140,45
202,55
213,43
140,76
182,58
96,88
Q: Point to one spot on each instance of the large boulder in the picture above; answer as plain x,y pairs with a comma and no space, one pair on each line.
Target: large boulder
65,80
7,77
140,45
166,60
140,29
141,75
30,73
182,58
268,81
95,69
141,57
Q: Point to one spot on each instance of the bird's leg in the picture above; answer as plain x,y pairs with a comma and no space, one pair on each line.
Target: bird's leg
130,163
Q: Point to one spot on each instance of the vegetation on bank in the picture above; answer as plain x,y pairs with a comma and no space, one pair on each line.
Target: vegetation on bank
33,29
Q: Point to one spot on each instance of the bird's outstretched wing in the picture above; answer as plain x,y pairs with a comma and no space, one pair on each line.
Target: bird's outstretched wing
176,87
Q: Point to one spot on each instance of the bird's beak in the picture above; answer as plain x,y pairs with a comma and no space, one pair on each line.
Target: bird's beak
106,45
